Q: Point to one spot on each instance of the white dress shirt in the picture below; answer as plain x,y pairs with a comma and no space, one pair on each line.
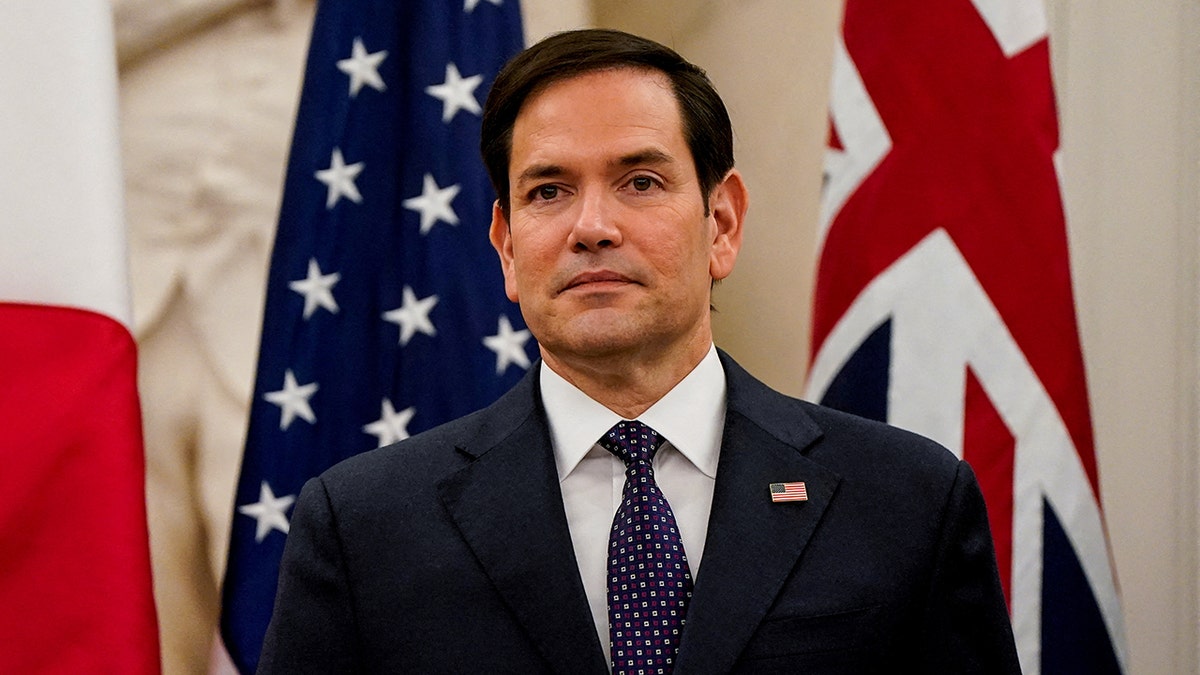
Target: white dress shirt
690,418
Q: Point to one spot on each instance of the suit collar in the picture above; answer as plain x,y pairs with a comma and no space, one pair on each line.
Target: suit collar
753,544
508,506
782,417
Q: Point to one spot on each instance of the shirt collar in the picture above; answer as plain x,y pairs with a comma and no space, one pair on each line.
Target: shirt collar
577,421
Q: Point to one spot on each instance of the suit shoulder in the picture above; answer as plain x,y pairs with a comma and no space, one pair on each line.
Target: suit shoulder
880,454
424,459
873,433
838,439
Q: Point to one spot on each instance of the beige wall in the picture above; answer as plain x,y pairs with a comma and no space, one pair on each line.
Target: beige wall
1129,87
1129,91
205,129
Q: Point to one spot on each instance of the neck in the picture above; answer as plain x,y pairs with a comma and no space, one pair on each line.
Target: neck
628,384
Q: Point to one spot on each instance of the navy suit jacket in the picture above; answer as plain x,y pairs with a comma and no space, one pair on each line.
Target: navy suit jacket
449,552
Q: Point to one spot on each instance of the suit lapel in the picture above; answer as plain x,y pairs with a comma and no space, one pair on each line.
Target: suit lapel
753,543
508,506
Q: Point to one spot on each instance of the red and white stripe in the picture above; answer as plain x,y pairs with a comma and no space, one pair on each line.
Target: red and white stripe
76,585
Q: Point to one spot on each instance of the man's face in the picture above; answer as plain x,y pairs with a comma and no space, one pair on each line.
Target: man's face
607,246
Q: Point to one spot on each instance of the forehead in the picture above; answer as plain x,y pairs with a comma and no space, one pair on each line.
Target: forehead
597,109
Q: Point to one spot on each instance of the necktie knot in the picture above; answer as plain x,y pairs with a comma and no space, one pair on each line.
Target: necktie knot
632,441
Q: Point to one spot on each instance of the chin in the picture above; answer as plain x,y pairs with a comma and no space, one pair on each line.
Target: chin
598,344
593,346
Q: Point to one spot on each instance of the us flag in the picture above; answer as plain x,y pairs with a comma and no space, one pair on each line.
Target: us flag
385,309
789,492
943,301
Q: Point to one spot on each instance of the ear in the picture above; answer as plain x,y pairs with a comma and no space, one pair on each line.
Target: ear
728,205
501,236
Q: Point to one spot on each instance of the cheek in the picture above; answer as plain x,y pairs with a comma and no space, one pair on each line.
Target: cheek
685,257
531,267
536,238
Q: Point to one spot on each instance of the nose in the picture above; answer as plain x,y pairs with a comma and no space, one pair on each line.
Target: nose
595,227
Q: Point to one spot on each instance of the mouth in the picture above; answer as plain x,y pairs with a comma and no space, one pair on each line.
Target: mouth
597,279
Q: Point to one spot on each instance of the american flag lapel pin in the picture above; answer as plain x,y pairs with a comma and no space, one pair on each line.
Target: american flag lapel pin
789,492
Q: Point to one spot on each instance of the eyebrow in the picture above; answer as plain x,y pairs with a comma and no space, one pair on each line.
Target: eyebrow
648,156
641,157
539,171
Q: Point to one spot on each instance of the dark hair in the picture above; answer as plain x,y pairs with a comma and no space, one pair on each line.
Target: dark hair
706,127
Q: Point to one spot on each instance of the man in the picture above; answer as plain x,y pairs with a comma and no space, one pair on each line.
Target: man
728,529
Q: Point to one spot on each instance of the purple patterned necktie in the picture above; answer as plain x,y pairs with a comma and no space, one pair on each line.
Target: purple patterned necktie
649,583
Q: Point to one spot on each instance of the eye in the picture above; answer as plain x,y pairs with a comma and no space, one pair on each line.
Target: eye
642,183
545,192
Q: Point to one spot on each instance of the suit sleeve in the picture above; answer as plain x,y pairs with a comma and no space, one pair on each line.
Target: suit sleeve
967,627
312,627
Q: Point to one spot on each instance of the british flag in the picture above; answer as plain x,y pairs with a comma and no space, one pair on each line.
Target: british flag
943,301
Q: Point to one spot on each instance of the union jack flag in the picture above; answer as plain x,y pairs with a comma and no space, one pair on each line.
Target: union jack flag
385,311
944,303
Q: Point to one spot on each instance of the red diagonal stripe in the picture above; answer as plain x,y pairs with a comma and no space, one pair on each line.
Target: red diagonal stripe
990,448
